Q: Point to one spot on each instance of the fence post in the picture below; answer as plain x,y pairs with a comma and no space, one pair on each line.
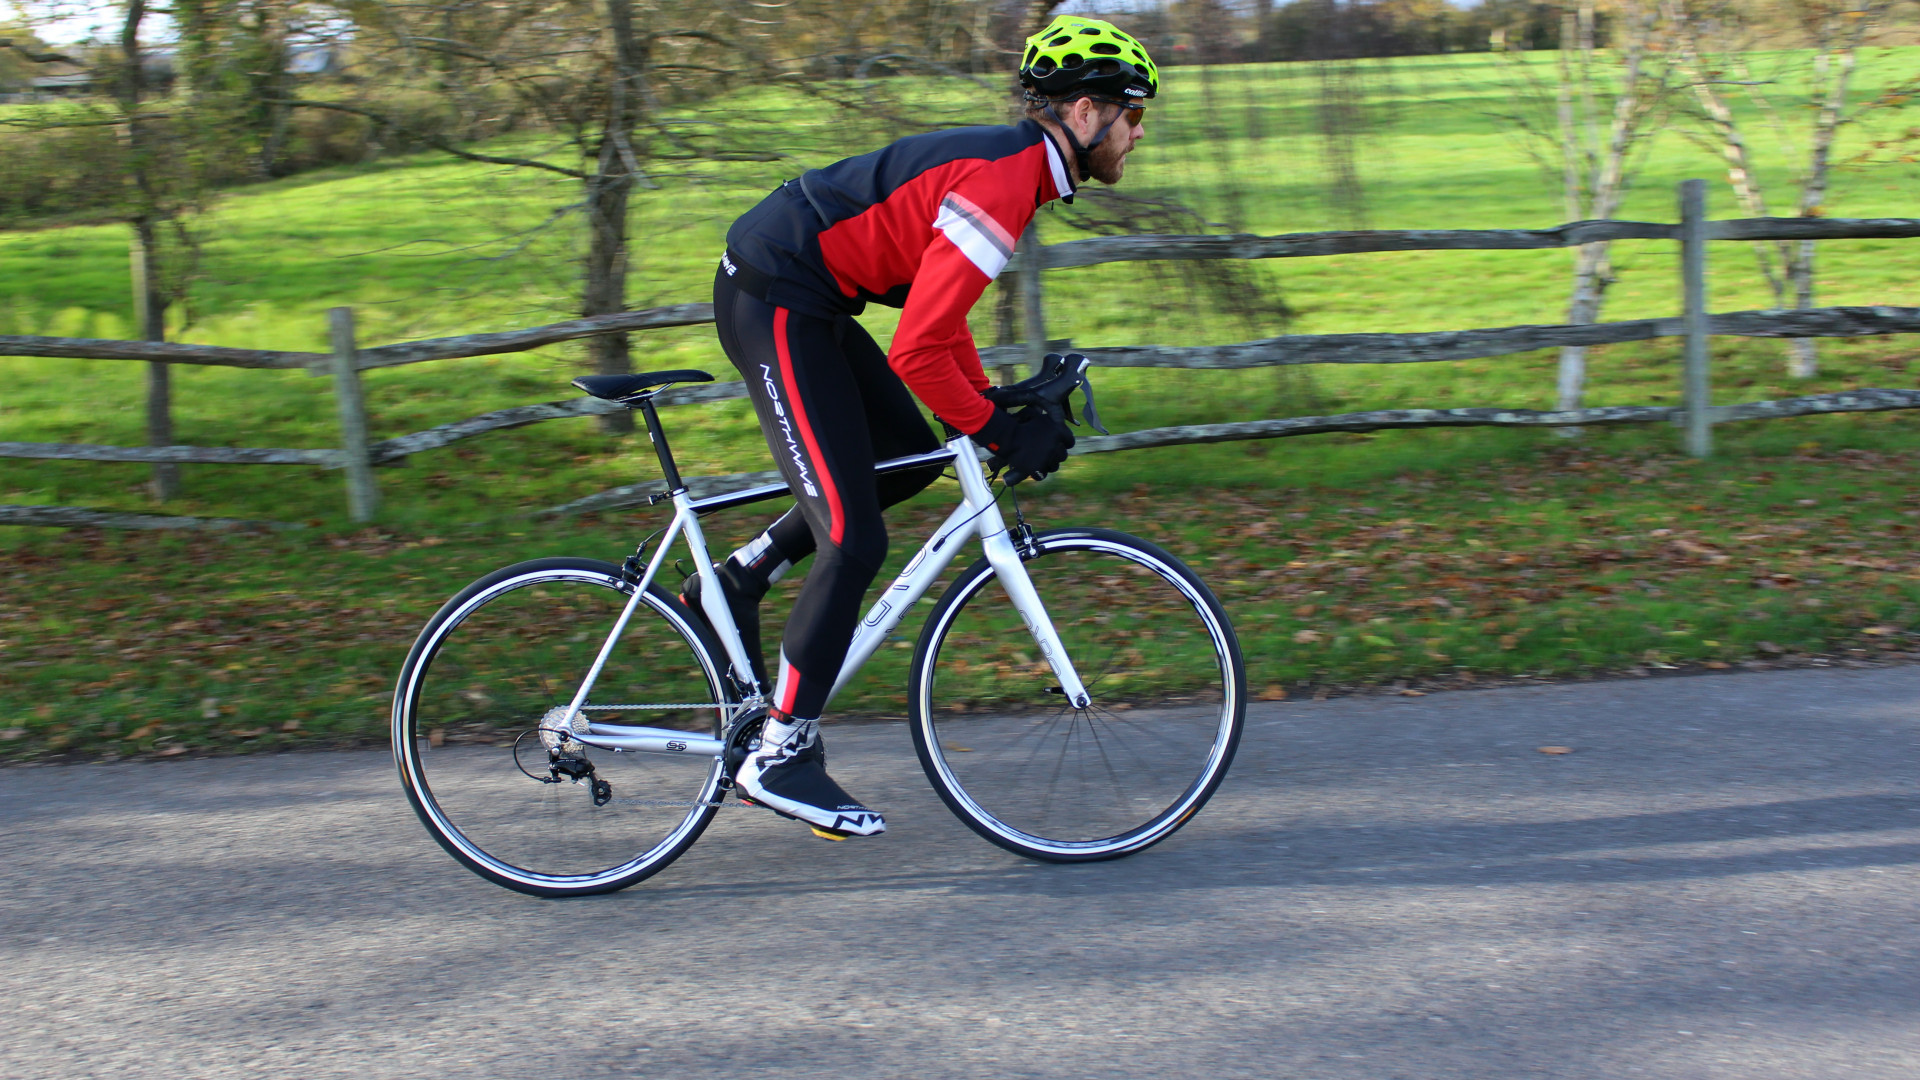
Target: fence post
363,498
1697,391
1036,317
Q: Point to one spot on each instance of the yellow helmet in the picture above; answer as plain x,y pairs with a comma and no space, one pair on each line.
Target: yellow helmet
1075,56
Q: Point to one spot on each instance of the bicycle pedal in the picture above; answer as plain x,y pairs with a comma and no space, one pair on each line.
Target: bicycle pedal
829,834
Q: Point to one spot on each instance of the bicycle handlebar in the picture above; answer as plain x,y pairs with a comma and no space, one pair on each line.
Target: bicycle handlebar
1052,387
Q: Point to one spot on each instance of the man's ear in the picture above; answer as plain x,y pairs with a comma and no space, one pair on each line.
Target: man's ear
1083,111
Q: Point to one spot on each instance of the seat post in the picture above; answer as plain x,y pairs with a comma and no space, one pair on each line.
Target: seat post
660,447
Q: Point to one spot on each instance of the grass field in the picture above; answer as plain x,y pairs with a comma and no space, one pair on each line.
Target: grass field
142,643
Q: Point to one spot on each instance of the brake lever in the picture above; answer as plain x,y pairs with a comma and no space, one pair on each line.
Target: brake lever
1087,410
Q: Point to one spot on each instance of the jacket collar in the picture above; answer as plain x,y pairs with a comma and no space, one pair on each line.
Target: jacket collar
1056,164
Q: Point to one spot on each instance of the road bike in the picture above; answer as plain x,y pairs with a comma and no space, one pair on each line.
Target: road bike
1074,694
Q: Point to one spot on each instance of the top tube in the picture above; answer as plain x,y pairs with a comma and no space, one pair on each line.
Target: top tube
774,491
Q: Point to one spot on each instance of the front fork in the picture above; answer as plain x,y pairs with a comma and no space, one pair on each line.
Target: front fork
1004,552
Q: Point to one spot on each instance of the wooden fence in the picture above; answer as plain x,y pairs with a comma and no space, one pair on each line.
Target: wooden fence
359,454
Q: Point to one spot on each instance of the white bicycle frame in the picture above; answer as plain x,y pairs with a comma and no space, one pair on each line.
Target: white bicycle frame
977,515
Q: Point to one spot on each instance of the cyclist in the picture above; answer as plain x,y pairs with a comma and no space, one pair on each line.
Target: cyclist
924,224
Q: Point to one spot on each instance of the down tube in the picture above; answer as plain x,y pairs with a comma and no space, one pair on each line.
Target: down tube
907,589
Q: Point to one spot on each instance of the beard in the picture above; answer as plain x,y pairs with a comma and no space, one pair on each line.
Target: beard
1109,160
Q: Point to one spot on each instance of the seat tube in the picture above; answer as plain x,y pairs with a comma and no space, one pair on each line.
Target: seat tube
713,601
1012,575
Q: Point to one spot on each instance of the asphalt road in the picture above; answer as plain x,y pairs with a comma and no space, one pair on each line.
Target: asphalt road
1720,881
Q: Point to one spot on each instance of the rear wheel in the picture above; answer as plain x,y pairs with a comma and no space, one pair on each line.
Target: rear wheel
1025,769
477,732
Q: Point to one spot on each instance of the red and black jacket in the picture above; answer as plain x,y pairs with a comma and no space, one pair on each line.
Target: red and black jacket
924,224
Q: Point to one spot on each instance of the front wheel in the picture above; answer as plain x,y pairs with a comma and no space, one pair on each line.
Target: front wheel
477,729
1029,772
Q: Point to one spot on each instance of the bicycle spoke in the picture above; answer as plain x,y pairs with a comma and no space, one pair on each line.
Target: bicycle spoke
1062,782
506,787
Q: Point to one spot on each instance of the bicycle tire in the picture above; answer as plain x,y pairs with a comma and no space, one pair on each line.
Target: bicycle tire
982,710
509,650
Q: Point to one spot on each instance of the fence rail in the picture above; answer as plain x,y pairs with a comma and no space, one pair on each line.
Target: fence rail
1110,249
1849,401
359,453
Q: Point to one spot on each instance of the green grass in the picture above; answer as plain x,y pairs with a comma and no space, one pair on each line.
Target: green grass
110,635
1434,561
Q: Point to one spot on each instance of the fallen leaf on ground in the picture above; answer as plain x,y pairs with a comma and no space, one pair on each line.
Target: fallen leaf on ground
1413,693
1880,631
172,751
1306,637
1276,692
1556,749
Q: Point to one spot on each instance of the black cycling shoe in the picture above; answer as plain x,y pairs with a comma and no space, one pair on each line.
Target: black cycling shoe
746,616
788,775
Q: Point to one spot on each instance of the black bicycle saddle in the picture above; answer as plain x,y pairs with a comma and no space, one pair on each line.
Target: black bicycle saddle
622,387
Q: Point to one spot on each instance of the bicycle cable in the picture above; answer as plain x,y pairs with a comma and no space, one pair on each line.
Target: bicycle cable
995,501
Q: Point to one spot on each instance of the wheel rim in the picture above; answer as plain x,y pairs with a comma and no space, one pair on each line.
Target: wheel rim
1159,662
490,668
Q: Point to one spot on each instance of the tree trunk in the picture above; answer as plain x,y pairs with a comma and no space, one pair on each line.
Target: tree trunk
616,170
1006,323
1733,147
149,301
1592,274
149,316
1804,361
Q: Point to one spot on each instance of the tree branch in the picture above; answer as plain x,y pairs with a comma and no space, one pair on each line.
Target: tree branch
434,141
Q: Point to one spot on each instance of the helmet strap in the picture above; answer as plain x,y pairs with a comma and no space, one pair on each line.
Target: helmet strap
1083,155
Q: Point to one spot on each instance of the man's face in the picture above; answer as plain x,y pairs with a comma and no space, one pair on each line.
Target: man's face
1109,160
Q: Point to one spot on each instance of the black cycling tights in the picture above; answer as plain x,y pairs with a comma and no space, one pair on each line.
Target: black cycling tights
830,407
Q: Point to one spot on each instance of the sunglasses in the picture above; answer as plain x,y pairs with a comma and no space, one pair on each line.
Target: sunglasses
1134,111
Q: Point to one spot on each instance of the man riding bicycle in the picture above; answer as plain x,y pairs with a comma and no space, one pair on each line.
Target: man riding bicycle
924,224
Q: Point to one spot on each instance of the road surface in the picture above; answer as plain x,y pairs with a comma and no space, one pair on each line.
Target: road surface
1720,881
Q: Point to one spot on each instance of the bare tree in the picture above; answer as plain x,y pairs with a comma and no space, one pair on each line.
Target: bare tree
1714,42
1588,126
160,191
592,71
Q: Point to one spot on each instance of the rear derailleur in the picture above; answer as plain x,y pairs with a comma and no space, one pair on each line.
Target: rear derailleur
577,768
566,761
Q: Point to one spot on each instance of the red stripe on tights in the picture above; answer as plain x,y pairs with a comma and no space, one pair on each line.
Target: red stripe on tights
806,426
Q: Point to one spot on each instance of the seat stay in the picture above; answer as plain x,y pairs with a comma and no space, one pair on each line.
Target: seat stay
680,519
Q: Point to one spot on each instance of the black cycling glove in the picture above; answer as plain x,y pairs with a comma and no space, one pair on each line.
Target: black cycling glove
1029,444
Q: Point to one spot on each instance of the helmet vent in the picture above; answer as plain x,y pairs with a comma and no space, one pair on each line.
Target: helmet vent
1105,48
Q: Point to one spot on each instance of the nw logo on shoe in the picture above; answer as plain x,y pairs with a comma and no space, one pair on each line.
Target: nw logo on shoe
856,821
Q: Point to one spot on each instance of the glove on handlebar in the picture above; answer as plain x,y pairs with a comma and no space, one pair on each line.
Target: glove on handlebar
1029,444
